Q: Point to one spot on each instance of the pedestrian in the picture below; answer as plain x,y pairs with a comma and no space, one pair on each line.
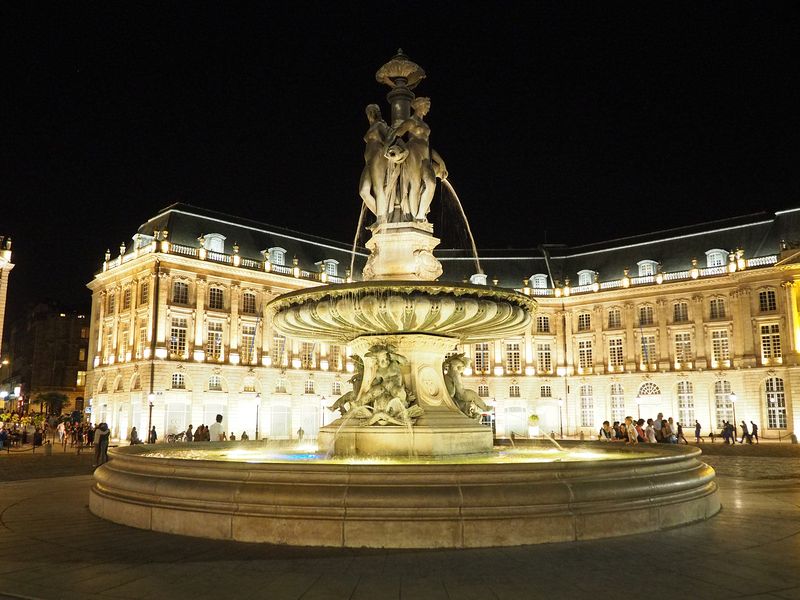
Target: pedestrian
153,437
61,431
90,433
216,432
680,434
640,436
189,433
697,436
244,436
102,434
135,437
650,432
232,437
630,432
754,431
657,424
745,434
300,434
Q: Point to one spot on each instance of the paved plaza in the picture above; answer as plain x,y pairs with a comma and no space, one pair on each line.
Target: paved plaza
52,547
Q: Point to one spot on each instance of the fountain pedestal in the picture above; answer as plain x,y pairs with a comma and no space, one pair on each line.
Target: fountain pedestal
442,430
402,251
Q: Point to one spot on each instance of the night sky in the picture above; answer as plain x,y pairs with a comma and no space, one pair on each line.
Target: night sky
568,123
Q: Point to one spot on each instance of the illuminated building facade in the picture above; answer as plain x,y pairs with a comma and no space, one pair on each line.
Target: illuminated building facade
697,323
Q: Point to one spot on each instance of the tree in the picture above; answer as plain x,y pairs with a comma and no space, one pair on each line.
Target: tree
55,402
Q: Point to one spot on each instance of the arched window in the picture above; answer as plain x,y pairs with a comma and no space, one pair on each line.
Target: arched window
215,383
587,406
722,402
617,403
776,403
649,389
215,242
136,383
277,255
685,403
647,267
539,281
178,381
586,277
716,258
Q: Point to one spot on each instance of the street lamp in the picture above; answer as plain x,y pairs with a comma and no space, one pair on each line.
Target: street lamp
638,407
733,398
150,397
258,405
560,418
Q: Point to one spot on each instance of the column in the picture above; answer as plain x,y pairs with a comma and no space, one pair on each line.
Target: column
233,330
630,338
599,342
663,334
699,332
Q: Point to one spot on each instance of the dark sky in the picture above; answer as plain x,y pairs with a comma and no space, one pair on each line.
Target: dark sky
565,122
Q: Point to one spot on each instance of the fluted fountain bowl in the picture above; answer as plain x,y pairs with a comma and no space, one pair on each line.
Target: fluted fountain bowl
343,312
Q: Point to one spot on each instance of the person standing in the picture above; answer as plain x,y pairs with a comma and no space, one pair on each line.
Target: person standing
630,430
657,424
650,432
697,436
300,434
754,431
102,435
61,431
135,437
189,433
680,434
153,436
745,434
216,432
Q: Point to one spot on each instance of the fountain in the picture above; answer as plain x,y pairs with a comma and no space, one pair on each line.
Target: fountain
407,464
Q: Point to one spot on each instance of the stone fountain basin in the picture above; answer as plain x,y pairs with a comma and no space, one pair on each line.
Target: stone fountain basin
452,503
343,312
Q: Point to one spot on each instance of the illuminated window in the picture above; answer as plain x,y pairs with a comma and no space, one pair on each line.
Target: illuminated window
680,312
249,384
585,357
544,358
214,341
483,391
308,387
722,402
81,380
216,299
683,347
141,340
307,355
539,281
180,292
144,292
247,346
546,391
766,301
584,322
685,403
122,343
776,403
215,383
248,303
716,258
616,354
480,359
214,242
614,318
111,302
513,361
542,324
178,381
587,406
717,308
118,384
279,350
617,403
280,386
585,277
649,355
82,354
126,298
645,315
335,357
513,391
771,341
177,338
336,388
647,268
277,256
719,345
84,333
136,384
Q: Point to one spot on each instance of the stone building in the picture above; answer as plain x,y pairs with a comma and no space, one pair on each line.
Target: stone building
697,323
5,270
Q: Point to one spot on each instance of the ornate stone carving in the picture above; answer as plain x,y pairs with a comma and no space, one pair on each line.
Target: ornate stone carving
468,401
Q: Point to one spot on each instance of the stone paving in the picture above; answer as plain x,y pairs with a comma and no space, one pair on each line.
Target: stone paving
52,547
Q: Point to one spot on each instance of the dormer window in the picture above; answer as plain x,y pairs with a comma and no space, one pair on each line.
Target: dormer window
214,242
141,240
539,281
716,258
329,266
647,268
586,277
277,256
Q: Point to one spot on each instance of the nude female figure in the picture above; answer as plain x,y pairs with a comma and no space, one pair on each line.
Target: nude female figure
372,187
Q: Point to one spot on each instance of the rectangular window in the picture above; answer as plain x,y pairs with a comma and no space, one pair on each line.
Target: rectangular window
308,387
683,347
584,322
177,338
111,304
108,347
248,344
617,403
645,315
248,303
279,350
771,341
719,345
84,333
480,359
616,356
546,391
122,343
513,361
544,358
717,308
649,349
685,403
776,403
144,292
513,391
766,301
614,318
126,298
542,324
180,292
335,357
307,355
215,299
141,341
81,354
81,380
214,341
587,406
585,356
680,312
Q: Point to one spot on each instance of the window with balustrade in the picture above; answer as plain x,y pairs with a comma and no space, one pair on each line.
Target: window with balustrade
585,354
720,347
307,355
247,345
278,353
513,357
683,347
649,356
214,341
177,337
335,357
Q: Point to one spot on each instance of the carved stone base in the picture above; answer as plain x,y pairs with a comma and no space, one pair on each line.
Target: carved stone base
402,251
442,430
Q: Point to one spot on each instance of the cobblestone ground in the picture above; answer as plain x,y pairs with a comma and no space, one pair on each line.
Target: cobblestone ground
52,547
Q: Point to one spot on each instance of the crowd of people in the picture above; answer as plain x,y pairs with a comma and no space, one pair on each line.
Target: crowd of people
668,431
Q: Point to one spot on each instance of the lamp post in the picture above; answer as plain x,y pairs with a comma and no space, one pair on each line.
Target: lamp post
733,398
639,408
258,405
150,397
560,418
